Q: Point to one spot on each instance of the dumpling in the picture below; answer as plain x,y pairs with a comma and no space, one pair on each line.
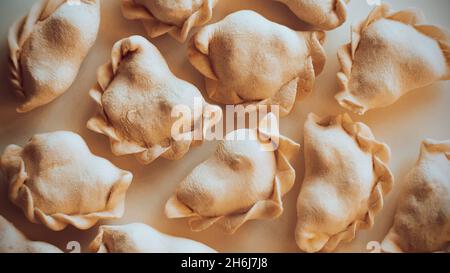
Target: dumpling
244,179
346,179
422,220
246,58
57,181
13,241
176,17
136,94
390,54
323,14
140,238
47,48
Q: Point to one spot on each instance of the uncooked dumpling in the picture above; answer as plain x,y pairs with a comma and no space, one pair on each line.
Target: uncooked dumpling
244,179
48,46
136,94
422,220
57,181
140,238
346,179
176,17
390,54
323,14
13,241
246,58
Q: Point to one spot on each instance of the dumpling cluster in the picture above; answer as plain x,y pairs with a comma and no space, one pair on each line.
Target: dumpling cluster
246,58
47,48
57,181
422,220
13,241
136,94
346,179
241,181
176,17
140,238
323,14
390,54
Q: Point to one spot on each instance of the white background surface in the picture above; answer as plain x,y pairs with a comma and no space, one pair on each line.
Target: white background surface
420,114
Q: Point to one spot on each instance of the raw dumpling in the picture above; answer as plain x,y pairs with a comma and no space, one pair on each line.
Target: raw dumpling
245,179
346,179
136,93
48,46
13,241
176,17
140,238
323,14
390,54
57,181
422,220
246,58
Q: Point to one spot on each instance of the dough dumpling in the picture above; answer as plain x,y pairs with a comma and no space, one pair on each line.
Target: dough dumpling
136,93
13,241
140,238
346,179
47,48
176,17
422,220
390,54
323,14
241,181
246,58
57,181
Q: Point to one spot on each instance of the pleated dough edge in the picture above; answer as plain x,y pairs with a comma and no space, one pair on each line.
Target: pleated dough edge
156,28
340,11
291,91
20,195
380,156
100,123
347,52
264,209
17,36
390,243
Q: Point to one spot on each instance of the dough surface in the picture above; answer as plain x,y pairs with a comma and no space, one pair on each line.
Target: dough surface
346,179
140,238
322,14
422,219
57,181
241,181
176,17
13,241
47,48
246,58
136,94
390,55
